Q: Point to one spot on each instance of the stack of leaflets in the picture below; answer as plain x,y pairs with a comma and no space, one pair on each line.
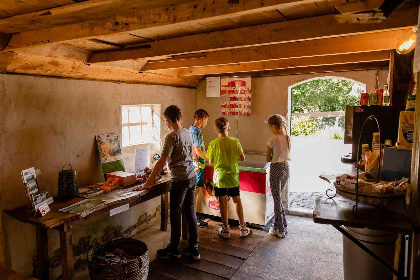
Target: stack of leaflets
124,178
35,197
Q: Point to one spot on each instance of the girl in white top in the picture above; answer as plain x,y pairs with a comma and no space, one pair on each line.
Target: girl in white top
278,151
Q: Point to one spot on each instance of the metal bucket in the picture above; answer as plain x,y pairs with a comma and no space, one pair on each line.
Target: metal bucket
358,265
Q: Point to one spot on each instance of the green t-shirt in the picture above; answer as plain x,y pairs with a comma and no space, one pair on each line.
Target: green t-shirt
225,152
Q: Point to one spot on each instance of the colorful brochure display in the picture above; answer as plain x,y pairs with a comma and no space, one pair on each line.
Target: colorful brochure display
35,197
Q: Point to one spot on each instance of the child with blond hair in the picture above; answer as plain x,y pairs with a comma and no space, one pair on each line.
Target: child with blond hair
278,151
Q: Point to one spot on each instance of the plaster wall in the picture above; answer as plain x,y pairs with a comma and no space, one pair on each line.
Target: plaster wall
47,122
269,96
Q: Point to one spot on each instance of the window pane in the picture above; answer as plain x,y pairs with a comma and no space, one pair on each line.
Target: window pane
124,112
135,134
146,114
134,114
125,136
147,133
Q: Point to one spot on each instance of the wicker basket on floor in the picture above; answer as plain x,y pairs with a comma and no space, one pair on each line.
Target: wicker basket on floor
134,268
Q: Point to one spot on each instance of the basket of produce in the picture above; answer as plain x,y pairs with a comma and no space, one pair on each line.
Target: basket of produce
119,259
371,191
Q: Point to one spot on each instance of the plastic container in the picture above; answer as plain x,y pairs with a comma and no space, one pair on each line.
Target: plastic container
364,99
376,143
411,103
365,149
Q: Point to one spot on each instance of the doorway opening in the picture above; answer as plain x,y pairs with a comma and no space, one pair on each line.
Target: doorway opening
317,133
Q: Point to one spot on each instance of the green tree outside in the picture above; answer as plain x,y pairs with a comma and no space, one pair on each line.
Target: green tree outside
322,95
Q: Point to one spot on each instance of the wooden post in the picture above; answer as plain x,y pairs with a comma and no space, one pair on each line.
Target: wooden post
415,193
67,258
164,211
401,73
42,253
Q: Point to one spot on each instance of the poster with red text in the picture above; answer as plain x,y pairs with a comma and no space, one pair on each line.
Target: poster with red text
238,89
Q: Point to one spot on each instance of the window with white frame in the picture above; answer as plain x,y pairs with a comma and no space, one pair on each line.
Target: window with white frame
140,124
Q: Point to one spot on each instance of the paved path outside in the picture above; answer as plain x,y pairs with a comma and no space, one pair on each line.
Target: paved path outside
313,157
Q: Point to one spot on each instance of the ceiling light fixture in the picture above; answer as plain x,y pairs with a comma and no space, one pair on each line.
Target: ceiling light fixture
409,44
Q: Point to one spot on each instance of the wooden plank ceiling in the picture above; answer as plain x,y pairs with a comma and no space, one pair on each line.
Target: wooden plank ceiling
178,42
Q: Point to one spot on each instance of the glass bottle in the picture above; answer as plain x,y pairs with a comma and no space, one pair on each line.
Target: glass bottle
385,97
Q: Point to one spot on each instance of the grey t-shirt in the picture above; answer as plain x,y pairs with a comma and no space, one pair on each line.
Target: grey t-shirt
178,149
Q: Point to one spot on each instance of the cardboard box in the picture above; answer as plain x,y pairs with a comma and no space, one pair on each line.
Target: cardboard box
396,164
406,130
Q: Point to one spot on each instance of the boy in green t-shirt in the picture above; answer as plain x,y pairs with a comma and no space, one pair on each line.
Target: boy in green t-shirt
224,153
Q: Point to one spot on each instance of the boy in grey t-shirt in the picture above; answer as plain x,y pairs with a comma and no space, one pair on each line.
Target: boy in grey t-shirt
177,150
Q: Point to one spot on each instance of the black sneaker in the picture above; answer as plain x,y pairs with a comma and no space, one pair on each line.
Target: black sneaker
201,222
191,253
167,253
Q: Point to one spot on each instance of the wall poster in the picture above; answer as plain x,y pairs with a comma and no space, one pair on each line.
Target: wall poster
239,91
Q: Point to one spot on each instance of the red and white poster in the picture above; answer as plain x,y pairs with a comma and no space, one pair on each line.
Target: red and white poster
239,92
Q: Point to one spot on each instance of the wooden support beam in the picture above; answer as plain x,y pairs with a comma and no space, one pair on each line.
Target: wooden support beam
384,40
401,73
273,33
287,63
31,64
323,69
203,11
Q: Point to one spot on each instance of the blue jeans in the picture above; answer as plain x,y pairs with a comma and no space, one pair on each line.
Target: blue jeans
182,201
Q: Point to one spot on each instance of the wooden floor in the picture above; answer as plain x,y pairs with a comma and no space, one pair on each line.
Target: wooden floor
220,258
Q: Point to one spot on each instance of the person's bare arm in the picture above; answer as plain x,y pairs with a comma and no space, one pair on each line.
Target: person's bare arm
156,170
241,157
211,161
268,155
201,153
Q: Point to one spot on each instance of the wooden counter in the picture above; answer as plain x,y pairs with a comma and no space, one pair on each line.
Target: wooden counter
63,222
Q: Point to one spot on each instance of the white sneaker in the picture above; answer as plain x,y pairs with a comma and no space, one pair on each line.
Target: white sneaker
224,232
277,233
244,231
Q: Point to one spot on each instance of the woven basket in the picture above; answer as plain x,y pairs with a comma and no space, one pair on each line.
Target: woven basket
383,199
135,268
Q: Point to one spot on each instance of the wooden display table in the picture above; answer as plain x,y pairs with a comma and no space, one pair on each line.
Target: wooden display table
338,213
63,222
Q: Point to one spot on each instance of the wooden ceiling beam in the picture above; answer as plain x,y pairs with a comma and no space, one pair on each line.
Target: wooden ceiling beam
324,69
280,32
30,64
194,11
384,40
285,64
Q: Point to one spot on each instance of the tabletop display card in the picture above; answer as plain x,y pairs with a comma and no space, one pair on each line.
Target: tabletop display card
110,152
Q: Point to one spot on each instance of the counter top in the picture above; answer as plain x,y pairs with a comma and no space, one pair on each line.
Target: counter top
338,212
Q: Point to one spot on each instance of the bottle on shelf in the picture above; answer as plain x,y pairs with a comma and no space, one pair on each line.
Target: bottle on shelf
385,97
373,99
379,96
